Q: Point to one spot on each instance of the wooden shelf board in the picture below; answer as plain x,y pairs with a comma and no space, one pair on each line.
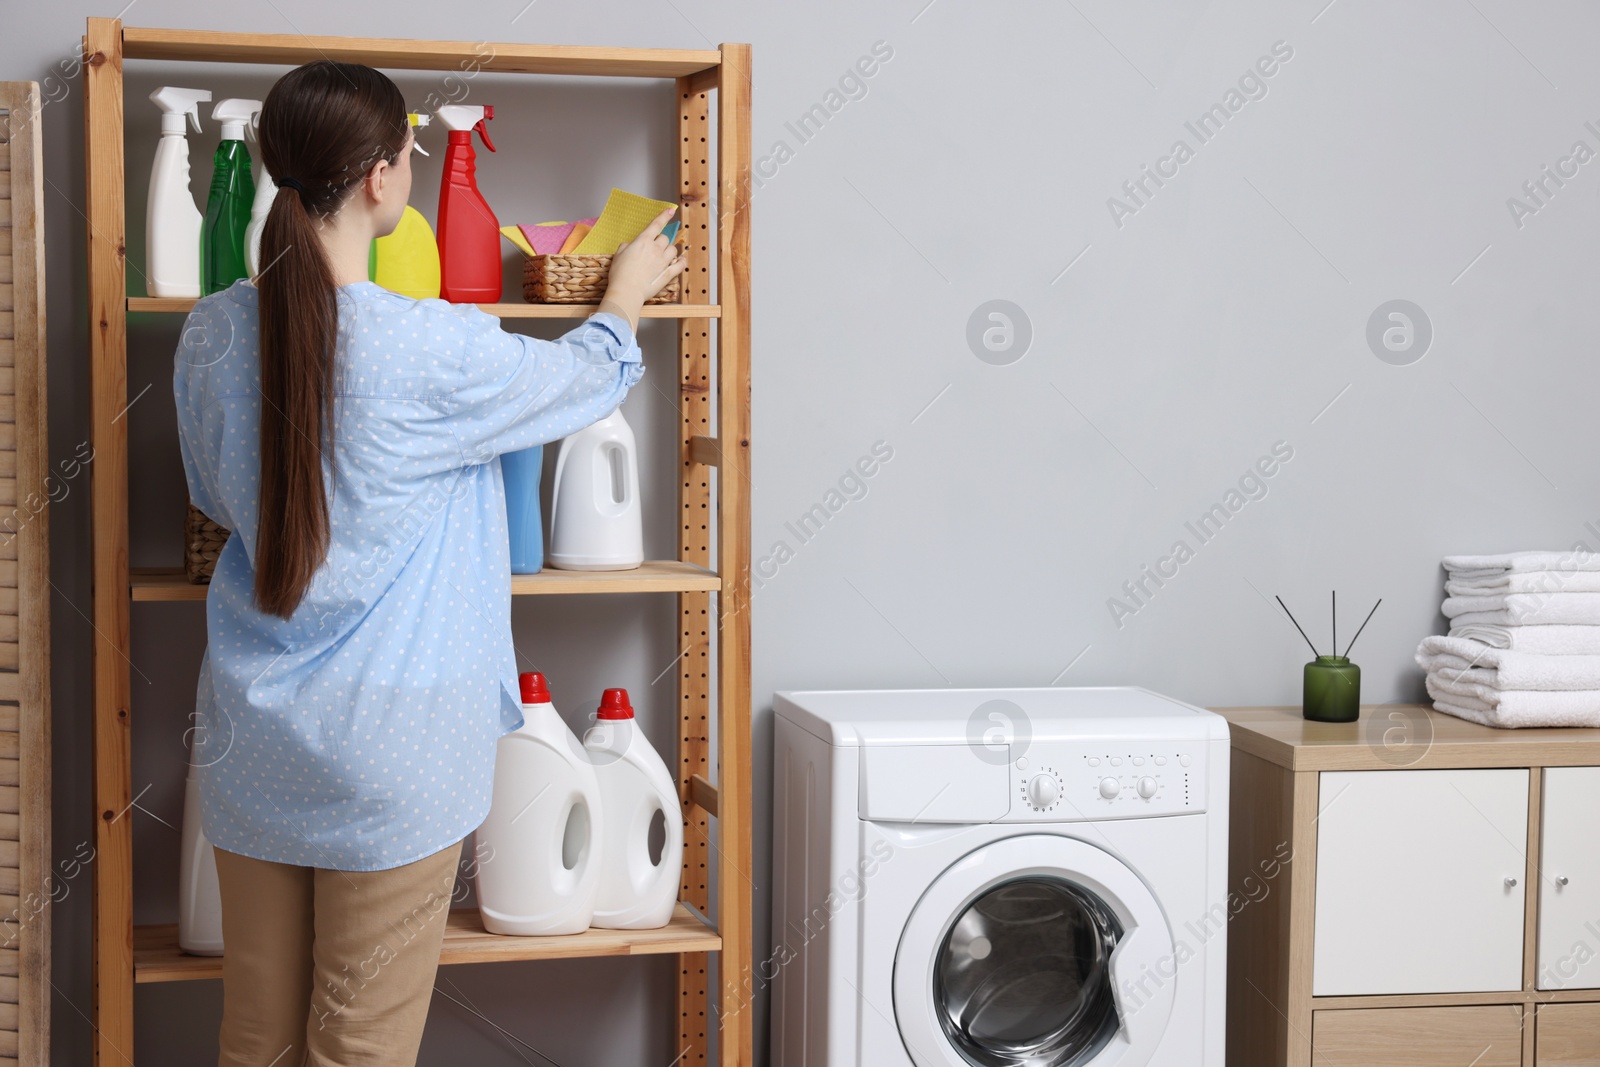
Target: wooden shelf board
209,46
654,576
504,311
156,957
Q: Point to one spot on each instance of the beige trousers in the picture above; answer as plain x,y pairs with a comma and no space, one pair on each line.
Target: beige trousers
328,968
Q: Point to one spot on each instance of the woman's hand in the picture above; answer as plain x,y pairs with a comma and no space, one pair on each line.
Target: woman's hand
641,268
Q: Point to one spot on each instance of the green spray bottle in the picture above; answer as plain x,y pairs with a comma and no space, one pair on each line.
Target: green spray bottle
222,236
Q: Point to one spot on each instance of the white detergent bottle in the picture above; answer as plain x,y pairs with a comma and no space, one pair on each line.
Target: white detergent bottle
635,894
595,521
541,868
172,221
199,899
266,193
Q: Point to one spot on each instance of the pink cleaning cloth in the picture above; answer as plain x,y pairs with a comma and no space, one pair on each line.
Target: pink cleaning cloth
548,238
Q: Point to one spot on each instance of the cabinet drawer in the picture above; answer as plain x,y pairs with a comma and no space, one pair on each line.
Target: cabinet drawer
1418,1037
1567,1035
1420,882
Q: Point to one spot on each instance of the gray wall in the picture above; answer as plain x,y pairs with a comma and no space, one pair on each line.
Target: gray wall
1176,339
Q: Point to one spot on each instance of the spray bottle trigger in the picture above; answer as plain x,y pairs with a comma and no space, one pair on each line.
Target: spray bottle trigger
483,131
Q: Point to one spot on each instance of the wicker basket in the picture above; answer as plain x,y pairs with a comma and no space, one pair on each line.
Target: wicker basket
570,279
202,544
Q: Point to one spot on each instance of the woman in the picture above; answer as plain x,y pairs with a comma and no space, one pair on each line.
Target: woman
359,667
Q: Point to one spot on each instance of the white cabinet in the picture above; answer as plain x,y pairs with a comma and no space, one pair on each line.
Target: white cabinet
1569,879
1420,881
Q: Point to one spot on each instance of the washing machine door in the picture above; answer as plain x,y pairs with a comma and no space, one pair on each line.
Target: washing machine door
1035,951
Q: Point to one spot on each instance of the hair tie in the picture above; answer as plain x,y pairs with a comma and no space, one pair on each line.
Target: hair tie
291,183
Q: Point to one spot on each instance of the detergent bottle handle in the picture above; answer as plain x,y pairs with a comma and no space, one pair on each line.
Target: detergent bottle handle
483,132
663,872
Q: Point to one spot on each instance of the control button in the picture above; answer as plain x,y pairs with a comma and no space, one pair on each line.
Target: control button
1109,788
1022,763
1147,787
1185,760
1138,761
1043,791
1094,761
1116,761
1161,761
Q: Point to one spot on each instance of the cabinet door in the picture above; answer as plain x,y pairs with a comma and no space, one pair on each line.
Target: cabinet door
1488,1036
1419,882
1569,883
1567,1035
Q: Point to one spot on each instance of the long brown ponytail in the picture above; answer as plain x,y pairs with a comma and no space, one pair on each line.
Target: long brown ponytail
323,126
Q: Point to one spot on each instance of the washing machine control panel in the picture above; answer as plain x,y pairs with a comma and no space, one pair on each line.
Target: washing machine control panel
1059,781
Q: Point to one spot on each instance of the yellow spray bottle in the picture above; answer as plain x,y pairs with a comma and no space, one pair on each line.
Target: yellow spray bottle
408,259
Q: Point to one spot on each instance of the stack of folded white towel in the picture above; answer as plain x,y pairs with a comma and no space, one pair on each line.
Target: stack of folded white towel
1524,641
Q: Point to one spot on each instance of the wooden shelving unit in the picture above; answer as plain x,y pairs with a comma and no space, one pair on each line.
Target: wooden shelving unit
710,578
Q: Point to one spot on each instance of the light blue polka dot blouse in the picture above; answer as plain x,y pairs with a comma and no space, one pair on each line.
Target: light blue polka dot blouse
359,734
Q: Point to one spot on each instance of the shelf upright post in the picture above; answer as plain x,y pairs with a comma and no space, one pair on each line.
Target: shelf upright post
112,1004
694,546
734,886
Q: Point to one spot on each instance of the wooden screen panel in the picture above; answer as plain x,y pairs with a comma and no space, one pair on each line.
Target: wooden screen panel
694,546
25,875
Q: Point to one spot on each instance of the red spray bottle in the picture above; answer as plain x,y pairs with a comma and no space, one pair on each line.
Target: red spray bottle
469,234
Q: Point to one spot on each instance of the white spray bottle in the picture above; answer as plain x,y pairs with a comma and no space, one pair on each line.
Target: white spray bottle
266,193
172,221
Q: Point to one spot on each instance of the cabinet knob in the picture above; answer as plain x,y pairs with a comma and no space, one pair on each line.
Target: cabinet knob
1511,883
1561,879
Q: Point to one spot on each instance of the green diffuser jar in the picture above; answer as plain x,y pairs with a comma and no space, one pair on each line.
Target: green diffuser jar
1332,683
1332,690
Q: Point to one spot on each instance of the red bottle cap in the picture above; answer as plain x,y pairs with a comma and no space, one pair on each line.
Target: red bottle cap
614,705
534,689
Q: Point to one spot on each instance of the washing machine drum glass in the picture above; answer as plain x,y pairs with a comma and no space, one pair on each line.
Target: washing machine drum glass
1023,977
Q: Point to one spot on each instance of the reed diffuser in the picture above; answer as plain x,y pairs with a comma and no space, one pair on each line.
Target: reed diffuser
1332,683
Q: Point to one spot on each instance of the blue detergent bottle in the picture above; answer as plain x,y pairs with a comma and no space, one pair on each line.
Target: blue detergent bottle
521,471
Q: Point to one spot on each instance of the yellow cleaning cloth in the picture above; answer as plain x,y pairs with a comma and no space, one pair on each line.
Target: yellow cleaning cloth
514,235
575,238
624,218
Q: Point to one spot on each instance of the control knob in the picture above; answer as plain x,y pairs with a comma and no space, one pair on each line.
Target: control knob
1147,787
1109,788
1043,791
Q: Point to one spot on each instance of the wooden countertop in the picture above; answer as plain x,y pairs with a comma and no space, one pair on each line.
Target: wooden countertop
1410,736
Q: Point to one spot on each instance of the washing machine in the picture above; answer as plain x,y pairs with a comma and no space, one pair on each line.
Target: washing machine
998,878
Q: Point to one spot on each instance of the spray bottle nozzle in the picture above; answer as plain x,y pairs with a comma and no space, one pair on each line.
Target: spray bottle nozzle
237,116
177,104
468,117
415,119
